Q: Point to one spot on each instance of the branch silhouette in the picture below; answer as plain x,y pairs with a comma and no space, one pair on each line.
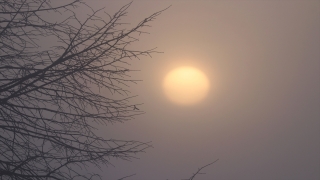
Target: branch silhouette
51,100
199,170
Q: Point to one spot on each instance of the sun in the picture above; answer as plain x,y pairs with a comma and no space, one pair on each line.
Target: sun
186,85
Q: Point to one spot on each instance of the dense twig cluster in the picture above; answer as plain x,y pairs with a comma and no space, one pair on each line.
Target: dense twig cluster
49,97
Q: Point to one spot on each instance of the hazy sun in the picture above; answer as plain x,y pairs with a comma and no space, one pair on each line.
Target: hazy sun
186,85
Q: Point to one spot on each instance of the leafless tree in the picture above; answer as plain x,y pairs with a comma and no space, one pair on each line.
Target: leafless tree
50,98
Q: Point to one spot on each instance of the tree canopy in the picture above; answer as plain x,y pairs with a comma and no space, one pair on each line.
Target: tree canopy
50,97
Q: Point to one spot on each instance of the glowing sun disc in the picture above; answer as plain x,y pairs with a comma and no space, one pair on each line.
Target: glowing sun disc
186,85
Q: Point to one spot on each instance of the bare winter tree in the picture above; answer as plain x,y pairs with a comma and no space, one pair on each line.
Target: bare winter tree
50,96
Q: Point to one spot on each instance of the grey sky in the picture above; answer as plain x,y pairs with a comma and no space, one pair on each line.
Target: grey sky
262,116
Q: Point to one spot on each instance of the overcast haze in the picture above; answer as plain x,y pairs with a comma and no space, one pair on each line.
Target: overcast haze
261,118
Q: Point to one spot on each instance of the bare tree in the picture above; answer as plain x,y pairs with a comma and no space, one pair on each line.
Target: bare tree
50,98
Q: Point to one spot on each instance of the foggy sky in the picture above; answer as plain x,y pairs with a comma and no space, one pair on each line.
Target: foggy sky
262,115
